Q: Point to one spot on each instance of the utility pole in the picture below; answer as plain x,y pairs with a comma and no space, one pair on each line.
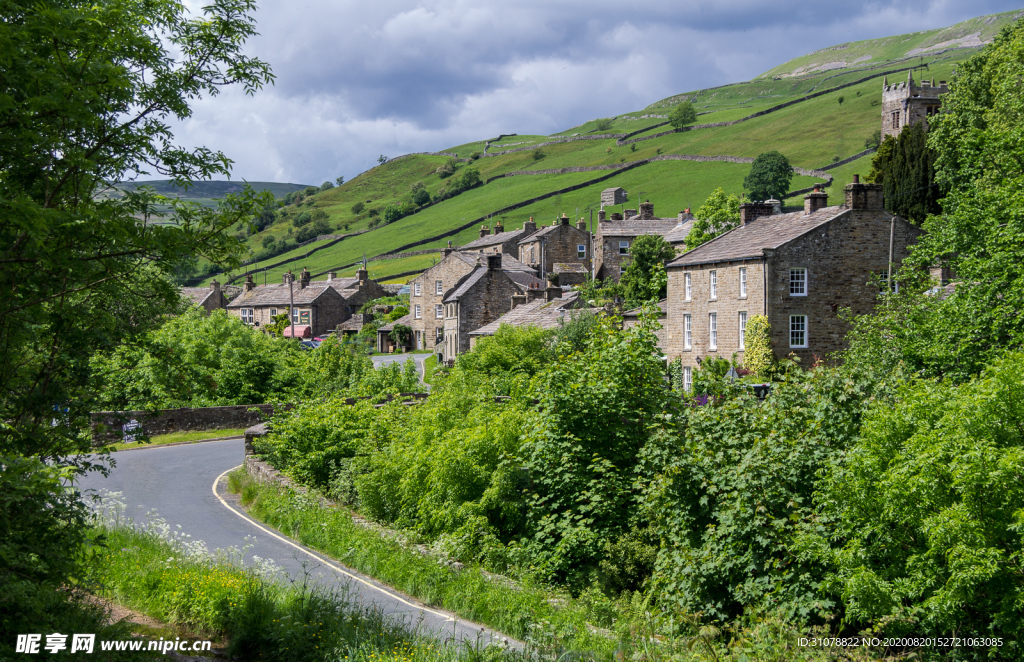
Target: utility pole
291,302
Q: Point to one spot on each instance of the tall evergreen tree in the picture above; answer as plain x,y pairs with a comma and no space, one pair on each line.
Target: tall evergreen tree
905,166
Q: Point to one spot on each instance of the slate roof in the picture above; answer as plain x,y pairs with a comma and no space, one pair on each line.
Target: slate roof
540,313
750,240
465,284
492,239
277,295
198,295
677,235
525,280
405,320
546,230
508,263
351,324
636,228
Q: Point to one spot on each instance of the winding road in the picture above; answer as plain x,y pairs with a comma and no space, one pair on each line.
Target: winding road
186,486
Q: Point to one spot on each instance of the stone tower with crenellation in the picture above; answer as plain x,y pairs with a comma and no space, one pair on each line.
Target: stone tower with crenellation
906,104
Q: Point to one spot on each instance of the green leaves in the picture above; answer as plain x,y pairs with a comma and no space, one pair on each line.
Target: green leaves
719,213
645,277
769,177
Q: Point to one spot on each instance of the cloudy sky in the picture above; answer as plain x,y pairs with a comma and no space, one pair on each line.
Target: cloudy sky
357,79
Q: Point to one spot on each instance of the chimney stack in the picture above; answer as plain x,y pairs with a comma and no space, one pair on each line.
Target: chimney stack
864,197
498,227
602,215
215,284
362,276
483,231
553,292
494,261
518,300
646,210
529,227
289,278
304,279
249,285
685,215
581,224
331,275
815,200
448,249
749,211
564,220
534,292
616,216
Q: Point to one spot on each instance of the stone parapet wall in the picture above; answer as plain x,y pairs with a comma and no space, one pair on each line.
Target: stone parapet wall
107,425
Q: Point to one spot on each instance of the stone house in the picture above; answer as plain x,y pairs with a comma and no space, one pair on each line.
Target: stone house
385,343
614,238
208,298
478,298
543,312
321,306
798,269
558,243
905,104
428,290
500,241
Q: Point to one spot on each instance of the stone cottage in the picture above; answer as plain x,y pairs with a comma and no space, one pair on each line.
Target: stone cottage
500,241
614,237
798,269
208,298
428,290
558,243
546,311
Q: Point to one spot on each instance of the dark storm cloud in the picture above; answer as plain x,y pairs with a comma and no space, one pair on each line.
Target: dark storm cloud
357,79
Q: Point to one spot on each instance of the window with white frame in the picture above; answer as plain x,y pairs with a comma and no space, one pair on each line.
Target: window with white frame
687,331
712,330
713,284
581,251
439,335
687,286
295,316
622,268
687,378
743,329
798,330
439,311
417,312
533,259
416,288
743,282
884,275
798,282
273,312
623,247
247,315
438,287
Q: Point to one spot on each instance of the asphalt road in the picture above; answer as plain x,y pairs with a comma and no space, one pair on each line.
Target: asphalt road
185,485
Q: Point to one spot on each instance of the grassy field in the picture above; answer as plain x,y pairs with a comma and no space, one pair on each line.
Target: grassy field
811,133
180,437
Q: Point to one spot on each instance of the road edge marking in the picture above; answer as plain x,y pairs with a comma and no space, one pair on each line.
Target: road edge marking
319,558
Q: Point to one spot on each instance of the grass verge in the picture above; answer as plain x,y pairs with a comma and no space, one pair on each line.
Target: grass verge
180,437
429,366
177,581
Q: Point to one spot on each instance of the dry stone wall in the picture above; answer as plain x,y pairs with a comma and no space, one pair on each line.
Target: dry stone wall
108,425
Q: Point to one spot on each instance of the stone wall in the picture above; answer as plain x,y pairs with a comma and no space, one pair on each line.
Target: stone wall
106,425
558,246
449,270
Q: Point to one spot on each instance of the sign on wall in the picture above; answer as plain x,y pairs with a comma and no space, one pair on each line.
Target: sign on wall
131,430
303,317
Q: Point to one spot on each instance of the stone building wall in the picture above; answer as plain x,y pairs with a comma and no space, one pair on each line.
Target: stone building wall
107,425
560,245
905,104
486,301
449,270
727,307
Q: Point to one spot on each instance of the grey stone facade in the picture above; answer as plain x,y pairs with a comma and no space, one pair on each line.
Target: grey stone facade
798,269
497,240
610,197
481,297
615,237
208,298
905,104
559,243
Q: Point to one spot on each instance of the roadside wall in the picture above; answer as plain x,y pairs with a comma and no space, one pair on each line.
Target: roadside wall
107,425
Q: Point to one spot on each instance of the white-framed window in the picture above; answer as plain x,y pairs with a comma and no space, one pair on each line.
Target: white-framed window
438,287
798,282
273,312
439,311
687,286
713,284
532,258
713,331
687,378
743,329
798,330
743,282
687,331
885,282
247,315
295,316
622,268
416,288
581,251
417,312
623,248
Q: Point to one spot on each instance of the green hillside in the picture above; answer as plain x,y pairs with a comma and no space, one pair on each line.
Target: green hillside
815,119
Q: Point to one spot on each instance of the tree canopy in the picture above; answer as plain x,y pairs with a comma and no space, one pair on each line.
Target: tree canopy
905,166
769,177
682,116
645,276
719,213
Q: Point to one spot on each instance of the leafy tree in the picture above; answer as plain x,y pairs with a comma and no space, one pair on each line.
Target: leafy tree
719,213
326,186
269,241
874,140
447,169
758,356
421,197
394,212
905,166
511,350
313,230
769,177
358,207
603,124
401,334
303,218
310,191
538,154
381,160
682,116
339,180
645,277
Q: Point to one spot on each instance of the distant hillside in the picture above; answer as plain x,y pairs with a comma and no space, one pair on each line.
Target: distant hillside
823,121
972,32
212,190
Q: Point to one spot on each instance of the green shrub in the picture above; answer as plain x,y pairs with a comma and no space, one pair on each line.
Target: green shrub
758,357
301,219
421,197
358,207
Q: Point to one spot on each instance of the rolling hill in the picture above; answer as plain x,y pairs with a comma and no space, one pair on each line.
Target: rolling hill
821,110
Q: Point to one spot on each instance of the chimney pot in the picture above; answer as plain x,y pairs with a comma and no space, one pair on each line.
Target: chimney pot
483,231
249,285
856,180
553,292
601,216
494,261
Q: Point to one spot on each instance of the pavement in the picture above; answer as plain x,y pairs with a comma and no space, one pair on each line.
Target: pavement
186,486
